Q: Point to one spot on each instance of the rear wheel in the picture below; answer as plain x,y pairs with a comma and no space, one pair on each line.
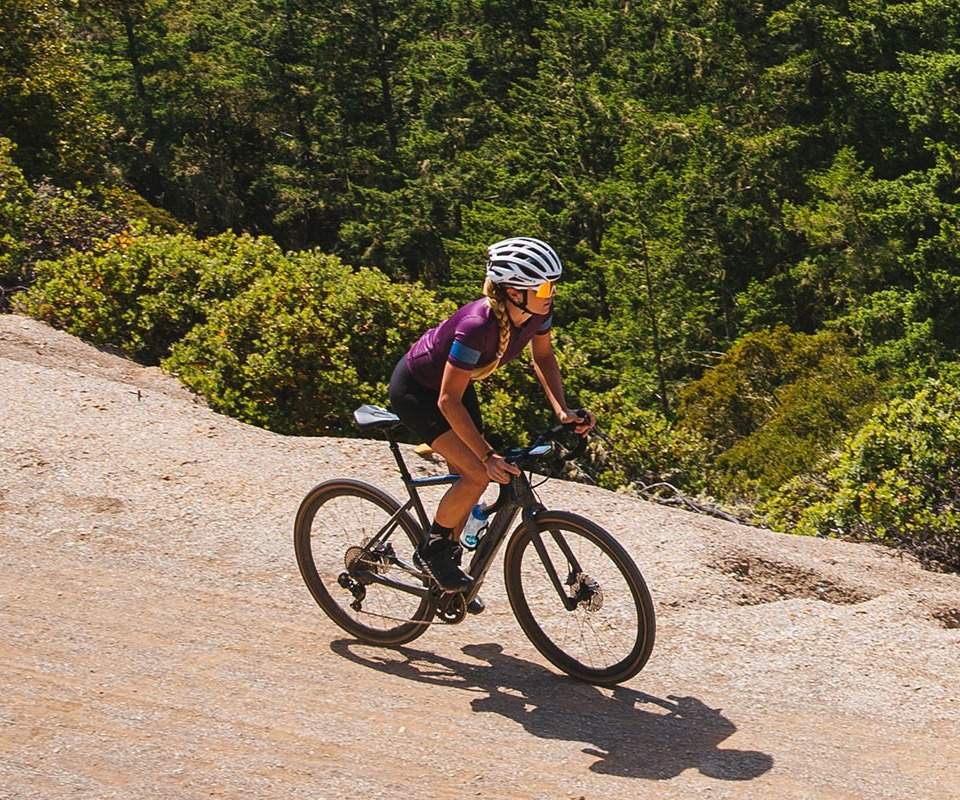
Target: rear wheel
353,547
580,598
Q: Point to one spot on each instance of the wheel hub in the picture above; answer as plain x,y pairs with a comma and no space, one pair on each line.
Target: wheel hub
586,592
360,559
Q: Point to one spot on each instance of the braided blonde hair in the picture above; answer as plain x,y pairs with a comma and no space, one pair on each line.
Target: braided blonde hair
499,307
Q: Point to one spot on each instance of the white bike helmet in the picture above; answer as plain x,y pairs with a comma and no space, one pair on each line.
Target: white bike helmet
523,263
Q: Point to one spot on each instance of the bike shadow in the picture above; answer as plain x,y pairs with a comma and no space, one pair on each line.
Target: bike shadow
633,734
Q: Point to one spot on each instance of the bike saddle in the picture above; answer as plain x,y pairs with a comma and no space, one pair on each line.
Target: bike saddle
369,416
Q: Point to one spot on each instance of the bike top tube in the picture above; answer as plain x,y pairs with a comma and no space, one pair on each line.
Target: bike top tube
517,490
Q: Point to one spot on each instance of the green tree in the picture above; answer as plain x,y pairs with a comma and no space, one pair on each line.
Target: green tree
45,100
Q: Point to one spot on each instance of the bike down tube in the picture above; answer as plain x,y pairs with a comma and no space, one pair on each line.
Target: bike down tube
487,547
514,495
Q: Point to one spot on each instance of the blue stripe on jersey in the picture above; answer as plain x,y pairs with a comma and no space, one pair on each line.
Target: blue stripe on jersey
467,355
546,325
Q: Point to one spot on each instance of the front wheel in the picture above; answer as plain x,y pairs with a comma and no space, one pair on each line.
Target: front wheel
353,544
579,598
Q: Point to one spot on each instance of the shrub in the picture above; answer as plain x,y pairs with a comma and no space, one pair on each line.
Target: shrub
895,481
44,222
304,345
774,406
810,415
141,292
642,447
15,199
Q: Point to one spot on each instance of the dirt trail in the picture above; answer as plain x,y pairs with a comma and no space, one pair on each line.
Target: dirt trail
157,641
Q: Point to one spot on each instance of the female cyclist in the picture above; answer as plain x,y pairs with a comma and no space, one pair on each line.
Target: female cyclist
432,392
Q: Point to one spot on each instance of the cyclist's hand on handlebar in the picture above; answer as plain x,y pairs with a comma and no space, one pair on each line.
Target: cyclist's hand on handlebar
500,470
582,420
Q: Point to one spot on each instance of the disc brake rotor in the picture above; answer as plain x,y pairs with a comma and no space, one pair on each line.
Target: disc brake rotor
587,592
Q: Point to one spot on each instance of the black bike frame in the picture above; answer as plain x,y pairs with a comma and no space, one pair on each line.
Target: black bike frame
514,496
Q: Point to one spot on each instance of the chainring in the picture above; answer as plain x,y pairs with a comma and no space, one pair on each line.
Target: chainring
451,608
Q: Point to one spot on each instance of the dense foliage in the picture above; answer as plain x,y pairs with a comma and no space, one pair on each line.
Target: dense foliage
304,345
757,206
897,480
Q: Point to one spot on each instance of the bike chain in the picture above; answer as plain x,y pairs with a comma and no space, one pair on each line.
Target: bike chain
440,621
447,616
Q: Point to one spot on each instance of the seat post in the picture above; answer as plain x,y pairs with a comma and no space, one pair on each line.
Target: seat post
398,457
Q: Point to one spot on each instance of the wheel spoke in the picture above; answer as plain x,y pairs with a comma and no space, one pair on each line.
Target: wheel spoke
352,542
601,627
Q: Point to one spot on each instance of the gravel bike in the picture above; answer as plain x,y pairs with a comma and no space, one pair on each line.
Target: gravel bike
576,592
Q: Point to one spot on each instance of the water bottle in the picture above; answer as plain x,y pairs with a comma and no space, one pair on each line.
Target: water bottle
473,530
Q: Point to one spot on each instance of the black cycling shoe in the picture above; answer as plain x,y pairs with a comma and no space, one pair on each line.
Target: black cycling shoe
438,558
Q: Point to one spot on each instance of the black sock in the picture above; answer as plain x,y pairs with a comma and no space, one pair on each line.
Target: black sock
438,531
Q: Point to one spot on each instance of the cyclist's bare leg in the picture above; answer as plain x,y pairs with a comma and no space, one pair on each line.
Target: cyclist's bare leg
463,495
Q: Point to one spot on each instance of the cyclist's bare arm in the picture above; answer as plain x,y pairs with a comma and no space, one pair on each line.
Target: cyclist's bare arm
548,373
452,387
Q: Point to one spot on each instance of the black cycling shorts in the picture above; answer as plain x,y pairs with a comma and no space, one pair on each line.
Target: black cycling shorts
417,406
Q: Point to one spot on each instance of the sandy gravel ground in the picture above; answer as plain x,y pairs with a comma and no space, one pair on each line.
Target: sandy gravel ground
156,640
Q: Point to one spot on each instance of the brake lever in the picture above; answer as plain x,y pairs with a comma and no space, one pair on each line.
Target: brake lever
581,444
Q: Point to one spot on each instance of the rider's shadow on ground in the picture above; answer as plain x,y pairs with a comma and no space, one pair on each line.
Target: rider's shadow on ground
634,735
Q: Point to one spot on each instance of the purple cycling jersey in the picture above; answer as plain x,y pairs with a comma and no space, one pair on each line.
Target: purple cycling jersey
468,340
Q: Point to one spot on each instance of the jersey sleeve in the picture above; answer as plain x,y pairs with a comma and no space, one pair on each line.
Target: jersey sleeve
471,343
546,326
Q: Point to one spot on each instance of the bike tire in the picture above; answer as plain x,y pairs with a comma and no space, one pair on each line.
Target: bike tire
607,637
334,522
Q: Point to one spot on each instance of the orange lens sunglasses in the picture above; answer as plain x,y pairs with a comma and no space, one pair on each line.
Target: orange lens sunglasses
548,289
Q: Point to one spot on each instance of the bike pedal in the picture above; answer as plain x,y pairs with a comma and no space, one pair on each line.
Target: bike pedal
476,606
